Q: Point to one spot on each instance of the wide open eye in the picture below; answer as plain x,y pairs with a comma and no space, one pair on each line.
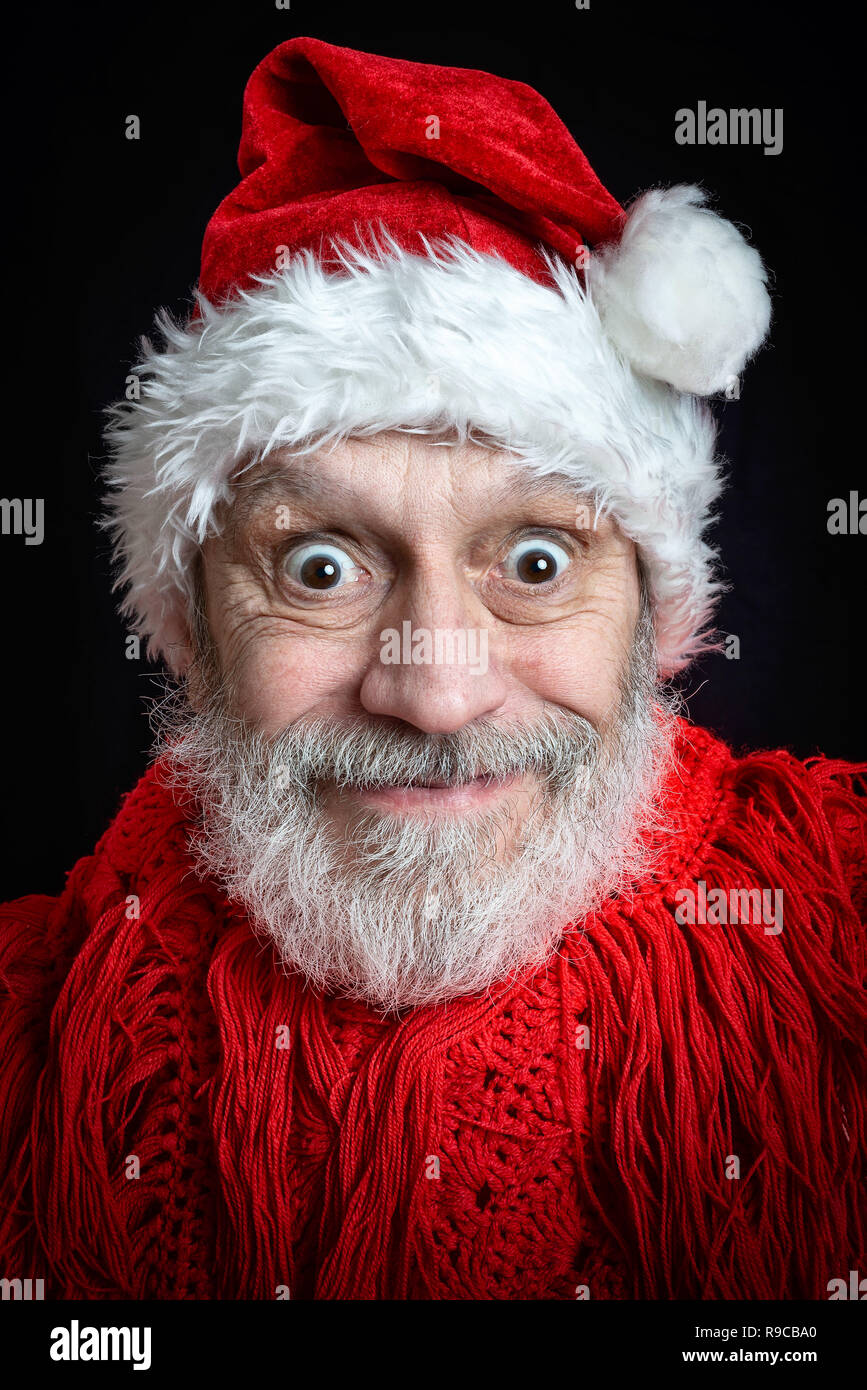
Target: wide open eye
536,560
320,565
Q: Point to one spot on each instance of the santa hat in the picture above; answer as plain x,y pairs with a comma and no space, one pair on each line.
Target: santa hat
418,247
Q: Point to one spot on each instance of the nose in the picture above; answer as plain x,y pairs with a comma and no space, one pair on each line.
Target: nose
434,668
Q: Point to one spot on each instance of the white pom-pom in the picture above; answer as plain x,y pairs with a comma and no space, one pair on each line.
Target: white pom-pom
682,294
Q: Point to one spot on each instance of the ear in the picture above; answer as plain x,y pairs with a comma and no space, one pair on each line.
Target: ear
182,661
177,648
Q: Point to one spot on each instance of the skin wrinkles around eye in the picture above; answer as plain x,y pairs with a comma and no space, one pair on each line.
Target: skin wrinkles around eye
297,557
574,546
271,558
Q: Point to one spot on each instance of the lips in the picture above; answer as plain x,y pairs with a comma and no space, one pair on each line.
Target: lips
438,794
439,784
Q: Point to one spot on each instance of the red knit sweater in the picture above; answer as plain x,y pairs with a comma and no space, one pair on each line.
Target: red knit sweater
180,1119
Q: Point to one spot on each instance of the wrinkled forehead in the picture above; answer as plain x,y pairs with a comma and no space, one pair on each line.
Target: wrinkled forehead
387,473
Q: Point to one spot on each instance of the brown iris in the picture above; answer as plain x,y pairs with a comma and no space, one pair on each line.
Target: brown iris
535,566
319,572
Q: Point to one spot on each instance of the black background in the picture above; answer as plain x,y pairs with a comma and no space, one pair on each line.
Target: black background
105,230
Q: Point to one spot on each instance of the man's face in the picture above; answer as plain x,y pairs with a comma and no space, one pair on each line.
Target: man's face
323,558
431,708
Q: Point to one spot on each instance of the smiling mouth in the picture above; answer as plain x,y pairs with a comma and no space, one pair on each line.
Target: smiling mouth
439,783
436,793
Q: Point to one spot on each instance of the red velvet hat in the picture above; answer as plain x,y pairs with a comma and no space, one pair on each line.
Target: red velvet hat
335,140
427,248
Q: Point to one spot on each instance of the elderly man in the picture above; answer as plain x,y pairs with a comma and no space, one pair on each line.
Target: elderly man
436,955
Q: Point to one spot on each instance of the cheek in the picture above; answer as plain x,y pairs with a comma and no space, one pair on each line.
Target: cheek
580,664
279,672
280,680
574,670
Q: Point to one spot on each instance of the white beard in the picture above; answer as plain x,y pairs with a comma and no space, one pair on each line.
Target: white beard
407,911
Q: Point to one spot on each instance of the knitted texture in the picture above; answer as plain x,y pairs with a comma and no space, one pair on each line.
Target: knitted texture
566,1134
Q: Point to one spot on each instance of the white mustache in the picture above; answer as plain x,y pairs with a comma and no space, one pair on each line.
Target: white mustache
363,755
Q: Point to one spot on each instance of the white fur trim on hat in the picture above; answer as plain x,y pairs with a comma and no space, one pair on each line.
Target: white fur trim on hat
394,340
